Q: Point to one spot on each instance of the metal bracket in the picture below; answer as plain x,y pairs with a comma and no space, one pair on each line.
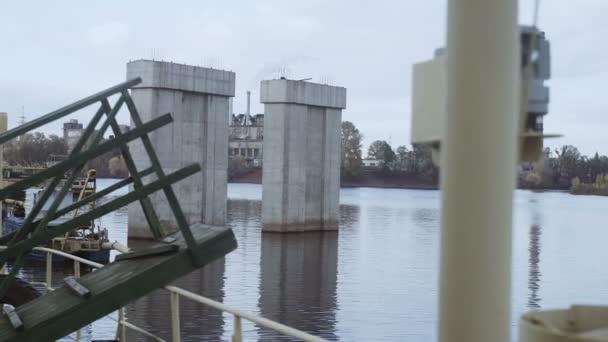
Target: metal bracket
13,317
77,287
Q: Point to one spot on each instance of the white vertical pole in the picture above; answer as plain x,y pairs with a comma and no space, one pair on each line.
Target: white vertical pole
479,170
237,335
49,271
77,275
3,128
122,330
175,326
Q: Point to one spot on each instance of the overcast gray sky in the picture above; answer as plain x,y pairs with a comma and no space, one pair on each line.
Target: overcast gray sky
55,52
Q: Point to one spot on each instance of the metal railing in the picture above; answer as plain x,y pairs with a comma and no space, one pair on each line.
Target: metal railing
175,293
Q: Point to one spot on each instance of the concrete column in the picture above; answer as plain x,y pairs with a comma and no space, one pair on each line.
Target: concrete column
478,172
199,100
301,173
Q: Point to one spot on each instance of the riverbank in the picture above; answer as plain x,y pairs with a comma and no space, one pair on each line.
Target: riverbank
369,179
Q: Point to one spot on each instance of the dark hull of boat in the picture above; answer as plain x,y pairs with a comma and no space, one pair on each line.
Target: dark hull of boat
13,224
102,257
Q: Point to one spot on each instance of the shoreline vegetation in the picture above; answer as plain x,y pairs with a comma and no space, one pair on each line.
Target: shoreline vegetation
598,188
374,179
405,167
38,150
368,179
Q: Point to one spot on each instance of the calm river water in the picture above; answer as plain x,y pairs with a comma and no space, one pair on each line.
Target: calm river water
375,280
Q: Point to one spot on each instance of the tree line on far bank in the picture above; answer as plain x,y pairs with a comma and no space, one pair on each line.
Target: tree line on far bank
564,168
36,149
414,161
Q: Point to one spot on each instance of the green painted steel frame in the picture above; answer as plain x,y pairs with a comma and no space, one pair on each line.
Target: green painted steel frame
34,230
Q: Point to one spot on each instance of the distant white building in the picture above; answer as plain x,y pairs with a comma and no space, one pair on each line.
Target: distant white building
372,163
246,136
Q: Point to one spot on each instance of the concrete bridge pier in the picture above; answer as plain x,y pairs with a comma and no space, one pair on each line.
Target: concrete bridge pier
301,173
198,98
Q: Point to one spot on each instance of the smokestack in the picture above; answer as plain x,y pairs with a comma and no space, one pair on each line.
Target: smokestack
248,103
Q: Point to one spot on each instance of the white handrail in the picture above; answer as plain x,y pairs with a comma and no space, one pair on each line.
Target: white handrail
175,293
264,322
65,255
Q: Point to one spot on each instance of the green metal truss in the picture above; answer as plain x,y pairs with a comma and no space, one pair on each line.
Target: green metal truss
34,231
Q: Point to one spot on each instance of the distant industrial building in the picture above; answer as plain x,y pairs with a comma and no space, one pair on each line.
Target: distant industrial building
72,131
246,134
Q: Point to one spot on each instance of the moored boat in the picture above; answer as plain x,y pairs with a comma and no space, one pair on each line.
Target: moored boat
88,241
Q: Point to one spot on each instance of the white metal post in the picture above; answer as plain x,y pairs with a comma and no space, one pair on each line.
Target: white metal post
77,275
122,330
237,335
3,128
76,268
479,152
49,271
175,326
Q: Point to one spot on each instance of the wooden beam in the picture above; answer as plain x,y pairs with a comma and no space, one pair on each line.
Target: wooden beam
60,312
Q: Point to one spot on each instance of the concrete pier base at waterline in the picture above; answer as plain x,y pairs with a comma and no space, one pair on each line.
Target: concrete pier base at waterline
301,173
199,101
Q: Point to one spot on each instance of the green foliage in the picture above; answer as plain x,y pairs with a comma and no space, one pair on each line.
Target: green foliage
36,149
569,164
565,169
381,150
351,162
599,187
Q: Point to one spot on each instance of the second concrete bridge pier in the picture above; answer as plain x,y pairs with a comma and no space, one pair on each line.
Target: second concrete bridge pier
301,173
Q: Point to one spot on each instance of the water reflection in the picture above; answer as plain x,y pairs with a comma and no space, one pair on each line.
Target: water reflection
534,274
298,282
387,259
199,323
426,217
349,216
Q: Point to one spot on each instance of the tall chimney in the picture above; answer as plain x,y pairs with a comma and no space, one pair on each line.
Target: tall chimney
248,102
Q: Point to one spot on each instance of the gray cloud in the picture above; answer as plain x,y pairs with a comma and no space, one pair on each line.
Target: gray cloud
56,52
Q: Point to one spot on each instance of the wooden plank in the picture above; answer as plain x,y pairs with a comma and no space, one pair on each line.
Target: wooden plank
146,203
156,250
59,312
180,218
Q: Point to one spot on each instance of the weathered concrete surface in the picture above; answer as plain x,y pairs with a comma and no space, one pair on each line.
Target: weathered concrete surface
301,174
198,98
